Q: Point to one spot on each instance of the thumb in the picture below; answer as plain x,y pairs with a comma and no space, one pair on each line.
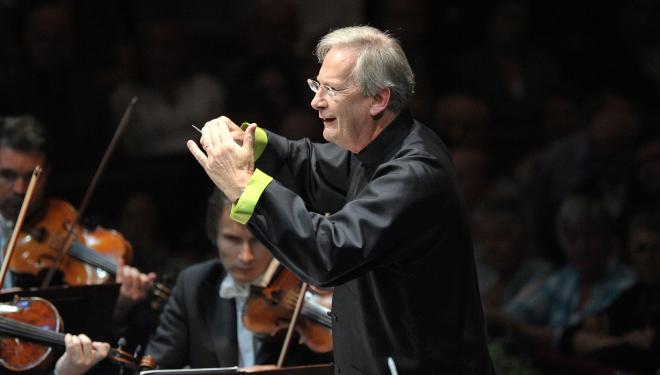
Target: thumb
248,141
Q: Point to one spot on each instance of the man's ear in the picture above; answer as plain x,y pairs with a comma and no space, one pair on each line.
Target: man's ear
380,102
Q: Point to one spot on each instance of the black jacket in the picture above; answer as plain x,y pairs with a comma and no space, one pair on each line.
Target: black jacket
198,328
396,247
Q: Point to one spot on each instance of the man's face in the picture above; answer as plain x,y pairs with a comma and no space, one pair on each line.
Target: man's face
16,168
345,117
243,256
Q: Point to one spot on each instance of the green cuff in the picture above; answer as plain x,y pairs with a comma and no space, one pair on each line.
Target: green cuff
242,210
260,140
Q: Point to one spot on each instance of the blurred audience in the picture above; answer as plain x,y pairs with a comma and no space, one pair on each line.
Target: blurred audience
472,167
590,281
505,258
462,120
598,160
514,77
171,96
625,335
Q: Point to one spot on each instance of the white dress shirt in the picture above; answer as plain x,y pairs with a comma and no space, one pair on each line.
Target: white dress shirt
247,345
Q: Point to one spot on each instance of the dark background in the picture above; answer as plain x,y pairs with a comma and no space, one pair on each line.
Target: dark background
63,60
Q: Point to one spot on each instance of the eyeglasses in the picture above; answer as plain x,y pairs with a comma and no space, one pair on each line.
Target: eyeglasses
315,86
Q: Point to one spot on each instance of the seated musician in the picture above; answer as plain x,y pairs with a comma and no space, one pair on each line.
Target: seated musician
23,146
201,324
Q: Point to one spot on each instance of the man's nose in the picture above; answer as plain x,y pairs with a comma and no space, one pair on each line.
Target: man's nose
20,185
318,101
247,254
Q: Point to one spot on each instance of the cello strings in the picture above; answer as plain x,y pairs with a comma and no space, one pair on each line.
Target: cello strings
29,331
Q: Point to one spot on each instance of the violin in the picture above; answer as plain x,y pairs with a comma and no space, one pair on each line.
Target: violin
91,259
30,327
269,309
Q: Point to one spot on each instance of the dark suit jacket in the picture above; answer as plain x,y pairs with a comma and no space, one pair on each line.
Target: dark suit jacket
397,248
198,328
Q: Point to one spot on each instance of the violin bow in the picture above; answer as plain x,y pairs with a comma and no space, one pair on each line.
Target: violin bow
19,223
90,189
294,319
292,324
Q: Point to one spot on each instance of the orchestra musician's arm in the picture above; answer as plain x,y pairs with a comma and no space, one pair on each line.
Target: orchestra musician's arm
81,355
134,288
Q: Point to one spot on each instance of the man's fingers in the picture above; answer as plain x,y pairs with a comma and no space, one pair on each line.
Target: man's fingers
119,277
199,155
248,143
101,350
86,346
215,137
223,129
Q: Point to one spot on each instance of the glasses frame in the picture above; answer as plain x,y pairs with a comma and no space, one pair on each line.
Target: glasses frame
316,87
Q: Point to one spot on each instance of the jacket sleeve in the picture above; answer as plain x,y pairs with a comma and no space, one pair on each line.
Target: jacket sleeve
318,172
382,221
170,344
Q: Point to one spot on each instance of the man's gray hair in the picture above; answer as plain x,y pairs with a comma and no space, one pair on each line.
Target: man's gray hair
381,62
23,133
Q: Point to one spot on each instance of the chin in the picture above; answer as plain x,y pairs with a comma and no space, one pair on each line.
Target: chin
329,134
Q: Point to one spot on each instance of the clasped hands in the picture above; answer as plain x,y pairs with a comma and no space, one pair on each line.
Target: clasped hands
228,155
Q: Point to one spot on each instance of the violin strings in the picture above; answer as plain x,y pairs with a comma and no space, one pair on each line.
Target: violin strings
29,331
80,252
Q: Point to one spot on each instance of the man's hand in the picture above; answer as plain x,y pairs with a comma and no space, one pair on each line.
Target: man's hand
229,159
81,355
134,288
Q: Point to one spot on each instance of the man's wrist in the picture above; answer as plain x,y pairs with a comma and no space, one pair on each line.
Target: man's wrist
240,193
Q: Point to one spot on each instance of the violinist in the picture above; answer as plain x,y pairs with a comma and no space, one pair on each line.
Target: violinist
201,324
23,146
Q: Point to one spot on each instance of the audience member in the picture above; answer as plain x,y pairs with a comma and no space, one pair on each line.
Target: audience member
505,261
625,335
597,161
591,279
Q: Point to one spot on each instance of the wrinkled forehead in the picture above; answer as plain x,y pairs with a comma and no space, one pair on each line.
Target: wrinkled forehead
338,65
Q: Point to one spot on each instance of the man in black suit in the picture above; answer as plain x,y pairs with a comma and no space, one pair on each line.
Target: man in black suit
200,325
381,174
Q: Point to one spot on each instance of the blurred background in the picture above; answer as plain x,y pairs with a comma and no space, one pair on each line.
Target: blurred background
536,100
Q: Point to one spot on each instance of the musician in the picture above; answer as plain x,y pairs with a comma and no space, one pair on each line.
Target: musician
201,324
23,146
405,286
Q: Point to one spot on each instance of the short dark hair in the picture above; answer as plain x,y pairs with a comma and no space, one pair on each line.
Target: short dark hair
216,204
23,133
